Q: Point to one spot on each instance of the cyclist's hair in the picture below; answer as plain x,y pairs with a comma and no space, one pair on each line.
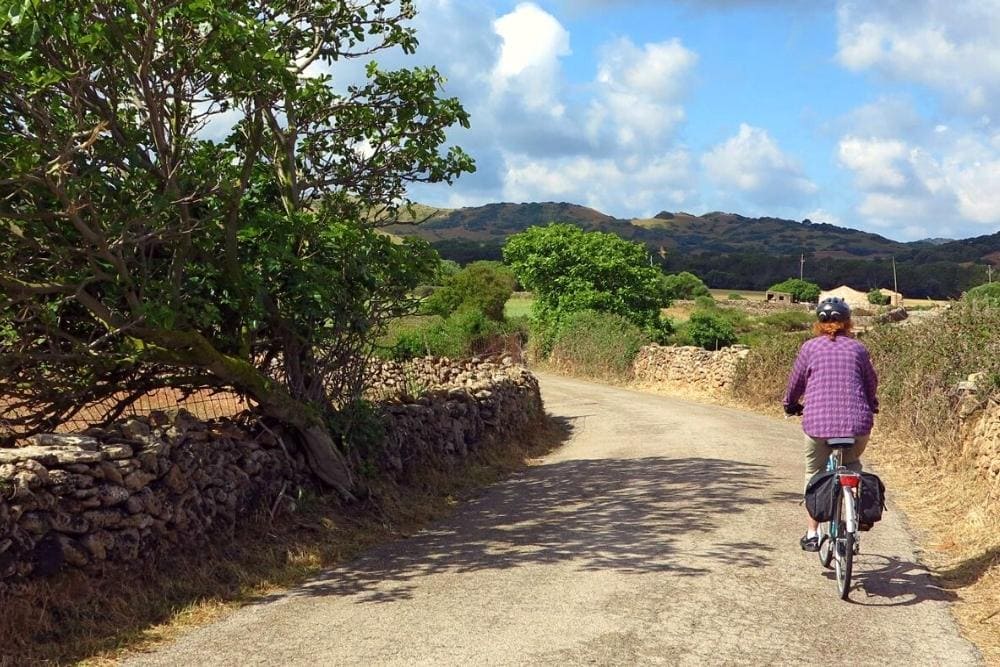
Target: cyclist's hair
832,329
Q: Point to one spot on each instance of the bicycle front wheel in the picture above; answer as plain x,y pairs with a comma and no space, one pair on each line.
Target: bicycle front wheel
844,564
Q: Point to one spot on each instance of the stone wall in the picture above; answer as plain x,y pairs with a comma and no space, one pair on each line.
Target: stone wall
688,369
171,482
979,414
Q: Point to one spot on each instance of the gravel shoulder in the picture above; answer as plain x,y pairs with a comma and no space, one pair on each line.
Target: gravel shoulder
663,532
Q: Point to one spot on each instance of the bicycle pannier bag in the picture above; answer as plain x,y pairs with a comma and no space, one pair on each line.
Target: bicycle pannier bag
871,501
822,495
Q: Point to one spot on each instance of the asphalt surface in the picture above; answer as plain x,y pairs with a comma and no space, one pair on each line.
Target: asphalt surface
662,532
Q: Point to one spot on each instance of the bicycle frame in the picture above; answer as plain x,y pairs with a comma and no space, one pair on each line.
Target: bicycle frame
842,547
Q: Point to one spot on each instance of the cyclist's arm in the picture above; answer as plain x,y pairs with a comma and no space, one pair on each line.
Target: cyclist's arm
870,380
797,380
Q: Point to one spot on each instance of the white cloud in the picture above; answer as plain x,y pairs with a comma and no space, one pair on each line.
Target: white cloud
873,161
640,90
822,215
533,41
640,187
952,47
752,163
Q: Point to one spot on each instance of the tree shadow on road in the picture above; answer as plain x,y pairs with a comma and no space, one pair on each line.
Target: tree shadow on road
619,514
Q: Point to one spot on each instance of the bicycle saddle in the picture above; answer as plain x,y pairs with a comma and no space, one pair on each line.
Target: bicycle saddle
837,443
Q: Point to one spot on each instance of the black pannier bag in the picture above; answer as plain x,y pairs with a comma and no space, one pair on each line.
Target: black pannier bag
871,501
822,495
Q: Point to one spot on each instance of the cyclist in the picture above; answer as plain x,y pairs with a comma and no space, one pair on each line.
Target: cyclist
833,373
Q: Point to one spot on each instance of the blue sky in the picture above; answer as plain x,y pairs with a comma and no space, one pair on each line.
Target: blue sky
874,115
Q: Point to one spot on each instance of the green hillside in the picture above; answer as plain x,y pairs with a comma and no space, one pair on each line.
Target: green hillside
726,249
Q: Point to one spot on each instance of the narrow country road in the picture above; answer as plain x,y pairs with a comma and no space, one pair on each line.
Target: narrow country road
663,532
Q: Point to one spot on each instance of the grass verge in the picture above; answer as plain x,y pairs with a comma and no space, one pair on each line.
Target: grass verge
72,618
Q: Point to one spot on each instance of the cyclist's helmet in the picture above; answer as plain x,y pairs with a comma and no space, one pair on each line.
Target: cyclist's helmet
833,309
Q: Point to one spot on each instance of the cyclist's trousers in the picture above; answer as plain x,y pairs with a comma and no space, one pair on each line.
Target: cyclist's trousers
817,454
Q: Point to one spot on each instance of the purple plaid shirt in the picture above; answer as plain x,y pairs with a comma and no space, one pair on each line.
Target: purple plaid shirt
838,382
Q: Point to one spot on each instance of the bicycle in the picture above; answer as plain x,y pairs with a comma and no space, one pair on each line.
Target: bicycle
839,538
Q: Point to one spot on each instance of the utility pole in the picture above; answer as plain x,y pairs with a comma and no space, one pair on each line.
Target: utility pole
989,272
802,264
895,288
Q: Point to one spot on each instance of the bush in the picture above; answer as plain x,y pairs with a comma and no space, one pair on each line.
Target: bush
762,375
801,290
600,345
988,294
683,285
877,298
570,270
465,333
705,302
736,296
483,287
711,331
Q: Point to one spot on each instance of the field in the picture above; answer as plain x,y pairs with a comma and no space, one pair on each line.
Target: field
519,305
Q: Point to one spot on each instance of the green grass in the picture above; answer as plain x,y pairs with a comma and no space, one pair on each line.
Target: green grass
518,306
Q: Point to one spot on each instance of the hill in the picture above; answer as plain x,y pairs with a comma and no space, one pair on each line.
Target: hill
728,250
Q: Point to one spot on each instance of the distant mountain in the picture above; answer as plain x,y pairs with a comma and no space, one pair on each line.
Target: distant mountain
678,232
726,249
936,241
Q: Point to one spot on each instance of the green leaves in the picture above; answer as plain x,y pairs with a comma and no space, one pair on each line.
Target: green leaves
176,188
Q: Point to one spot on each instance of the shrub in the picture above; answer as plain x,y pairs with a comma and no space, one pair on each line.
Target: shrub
988,294
710,330
736,296
465,333
601,345
705,302
683,285
801,290
761,376
570,270
877,298
483,287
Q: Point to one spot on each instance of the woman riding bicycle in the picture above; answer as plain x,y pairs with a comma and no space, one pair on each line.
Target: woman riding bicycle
834,374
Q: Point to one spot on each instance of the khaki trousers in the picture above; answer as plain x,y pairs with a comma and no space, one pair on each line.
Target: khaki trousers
817,453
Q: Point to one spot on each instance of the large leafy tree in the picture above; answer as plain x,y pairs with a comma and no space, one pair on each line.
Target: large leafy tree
136,253
570,270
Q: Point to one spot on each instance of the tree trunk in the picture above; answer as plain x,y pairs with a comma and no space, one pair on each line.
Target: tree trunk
188,348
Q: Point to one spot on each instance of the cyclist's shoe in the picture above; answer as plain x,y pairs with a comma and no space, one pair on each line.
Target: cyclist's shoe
809,543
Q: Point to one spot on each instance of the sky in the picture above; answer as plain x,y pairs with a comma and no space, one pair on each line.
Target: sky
874,115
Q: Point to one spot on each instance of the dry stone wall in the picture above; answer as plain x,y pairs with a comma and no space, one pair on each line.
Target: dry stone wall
170,481
980,426
688,369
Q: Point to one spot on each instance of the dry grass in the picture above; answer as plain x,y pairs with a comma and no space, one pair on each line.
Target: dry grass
955,513
72,618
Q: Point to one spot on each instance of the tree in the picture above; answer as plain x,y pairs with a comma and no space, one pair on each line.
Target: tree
710,330
875,297
139,254
801,290
570,270
684,285
482,286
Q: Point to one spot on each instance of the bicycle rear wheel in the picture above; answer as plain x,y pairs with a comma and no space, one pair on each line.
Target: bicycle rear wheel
844,564
825,544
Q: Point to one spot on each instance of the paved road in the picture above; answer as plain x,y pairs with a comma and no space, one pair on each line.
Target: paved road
663,532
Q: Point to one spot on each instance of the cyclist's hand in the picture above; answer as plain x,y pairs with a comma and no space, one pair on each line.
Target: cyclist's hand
793,409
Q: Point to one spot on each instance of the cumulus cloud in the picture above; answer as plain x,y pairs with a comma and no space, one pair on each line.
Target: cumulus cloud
641,187
533,41
874,161
639,92
952,47
752,163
